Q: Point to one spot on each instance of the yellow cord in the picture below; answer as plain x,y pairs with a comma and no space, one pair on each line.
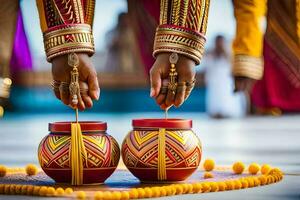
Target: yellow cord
77,151
161,171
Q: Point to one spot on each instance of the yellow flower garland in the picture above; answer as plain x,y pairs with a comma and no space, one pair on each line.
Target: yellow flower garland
273,175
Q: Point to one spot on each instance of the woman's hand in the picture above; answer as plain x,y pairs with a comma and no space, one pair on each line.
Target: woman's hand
159,75
88,81
243,84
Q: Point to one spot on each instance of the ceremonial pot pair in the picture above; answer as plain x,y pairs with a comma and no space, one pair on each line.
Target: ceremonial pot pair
155,150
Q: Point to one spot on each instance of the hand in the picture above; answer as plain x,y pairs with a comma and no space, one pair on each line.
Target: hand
87,80
159,74
243,84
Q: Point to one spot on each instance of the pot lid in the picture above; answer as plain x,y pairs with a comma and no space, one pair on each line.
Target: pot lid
163,123
85,126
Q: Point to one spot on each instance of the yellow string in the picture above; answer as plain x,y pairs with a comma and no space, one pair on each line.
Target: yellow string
161,171
78,153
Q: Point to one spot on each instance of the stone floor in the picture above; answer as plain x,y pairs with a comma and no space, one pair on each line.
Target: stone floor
275,141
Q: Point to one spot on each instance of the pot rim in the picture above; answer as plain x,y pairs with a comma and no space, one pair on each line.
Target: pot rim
171,123
86,126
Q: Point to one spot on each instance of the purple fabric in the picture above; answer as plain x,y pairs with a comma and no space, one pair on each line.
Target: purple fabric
20,59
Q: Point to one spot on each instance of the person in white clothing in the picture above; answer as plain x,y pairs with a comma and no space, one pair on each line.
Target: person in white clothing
221,101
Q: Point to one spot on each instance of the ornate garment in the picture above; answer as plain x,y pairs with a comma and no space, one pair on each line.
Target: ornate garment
66,26
174,25
279,86
182,26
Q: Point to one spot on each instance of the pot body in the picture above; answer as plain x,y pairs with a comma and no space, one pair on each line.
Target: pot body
182,152
103,153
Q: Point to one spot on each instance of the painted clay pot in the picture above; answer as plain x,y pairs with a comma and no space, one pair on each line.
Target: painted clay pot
103,152
161,149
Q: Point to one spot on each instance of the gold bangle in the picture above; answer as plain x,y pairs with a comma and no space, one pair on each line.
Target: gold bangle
179,40
72,38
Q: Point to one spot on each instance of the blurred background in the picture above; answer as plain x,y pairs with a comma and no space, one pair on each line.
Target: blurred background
123,76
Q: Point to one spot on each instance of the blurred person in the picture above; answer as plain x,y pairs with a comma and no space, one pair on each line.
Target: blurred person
221,101
274,80
123,56
14,49
67,27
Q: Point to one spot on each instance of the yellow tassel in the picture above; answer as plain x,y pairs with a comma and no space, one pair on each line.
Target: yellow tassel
78,153
161,168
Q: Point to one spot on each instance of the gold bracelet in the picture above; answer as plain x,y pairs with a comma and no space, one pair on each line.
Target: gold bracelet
179,40
73,38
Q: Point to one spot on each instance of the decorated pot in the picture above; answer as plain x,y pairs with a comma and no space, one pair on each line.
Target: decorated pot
161,149
102,152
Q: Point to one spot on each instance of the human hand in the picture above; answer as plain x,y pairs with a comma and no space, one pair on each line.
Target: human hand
88,82
159,75
243,84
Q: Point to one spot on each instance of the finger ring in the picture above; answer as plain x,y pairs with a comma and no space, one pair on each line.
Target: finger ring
191,83
84,91
181,88
55,85
164,90
64,87
173,73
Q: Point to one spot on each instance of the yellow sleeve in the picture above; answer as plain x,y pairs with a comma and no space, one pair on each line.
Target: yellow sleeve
182,28
248,42
66,26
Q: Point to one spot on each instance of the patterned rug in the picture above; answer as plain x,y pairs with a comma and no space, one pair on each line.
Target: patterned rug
123,185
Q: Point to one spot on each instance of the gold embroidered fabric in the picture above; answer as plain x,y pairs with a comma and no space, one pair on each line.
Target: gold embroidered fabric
182,27
66,26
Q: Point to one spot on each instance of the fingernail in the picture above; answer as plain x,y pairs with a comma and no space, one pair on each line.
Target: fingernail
98,95
152,92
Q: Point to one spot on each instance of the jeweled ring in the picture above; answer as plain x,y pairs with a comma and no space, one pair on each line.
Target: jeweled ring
164,90
64,87
55,85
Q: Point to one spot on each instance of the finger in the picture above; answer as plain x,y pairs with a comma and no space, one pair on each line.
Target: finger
170,98
94,90
81,106
56,93
180,94
80,103
155,80
160,99
248,86
84,89
64,93
165,107
55,86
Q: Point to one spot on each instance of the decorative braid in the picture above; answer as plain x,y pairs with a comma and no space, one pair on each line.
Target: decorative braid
182,28
73,38
176,39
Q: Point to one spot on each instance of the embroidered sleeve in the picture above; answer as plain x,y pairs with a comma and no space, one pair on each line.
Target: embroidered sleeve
247,45
182,27
66,26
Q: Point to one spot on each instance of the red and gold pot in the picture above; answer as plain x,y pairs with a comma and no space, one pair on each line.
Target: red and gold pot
161,149
103,152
